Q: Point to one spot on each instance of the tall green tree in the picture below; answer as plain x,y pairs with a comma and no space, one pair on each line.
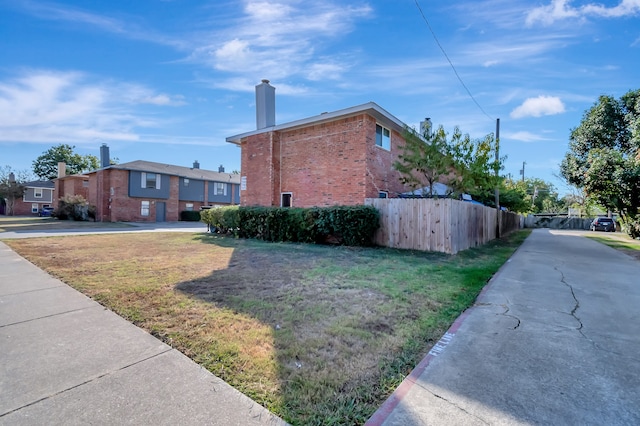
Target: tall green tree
46,165
475,166
464,164
604,156
425,159
12,186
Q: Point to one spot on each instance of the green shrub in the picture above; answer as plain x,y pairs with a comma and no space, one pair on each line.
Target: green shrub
632,227
221,219
190,216
74,207
347,225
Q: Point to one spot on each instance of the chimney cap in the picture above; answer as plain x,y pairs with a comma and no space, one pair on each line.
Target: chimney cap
265,81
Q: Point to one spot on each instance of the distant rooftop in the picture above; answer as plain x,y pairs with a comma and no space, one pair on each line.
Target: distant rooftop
169,169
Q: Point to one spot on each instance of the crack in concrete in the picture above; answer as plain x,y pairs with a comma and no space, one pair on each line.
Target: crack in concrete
108,373
573,314
577,304
505,313
456,405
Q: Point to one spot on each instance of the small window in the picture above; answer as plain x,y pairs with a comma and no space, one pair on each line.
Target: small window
189,207
37,193
221,188
144,208
383,194
185,182
150,180
286,199
34,207
383,137
85,183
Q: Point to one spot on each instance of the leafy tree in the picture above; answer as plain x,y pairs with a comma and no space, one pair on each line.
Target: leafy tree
604,156
12,186
466,165
46,165
513,196
475,166
424,159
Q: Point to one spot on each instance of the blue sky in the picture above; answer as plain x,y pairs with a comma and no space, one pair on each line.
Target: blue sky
168,81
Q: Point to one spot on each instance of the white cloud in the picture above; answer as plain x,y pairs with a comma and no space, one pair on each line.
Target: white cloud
277,40
537,107
53,106
65,13
561,9
524,136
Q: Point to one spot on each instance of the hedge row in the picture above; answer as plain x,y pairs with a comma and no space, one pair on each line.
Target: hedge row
347,225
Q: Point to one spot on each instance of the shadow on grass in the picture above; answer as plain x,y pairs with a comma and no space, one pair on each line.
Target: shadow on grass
340,327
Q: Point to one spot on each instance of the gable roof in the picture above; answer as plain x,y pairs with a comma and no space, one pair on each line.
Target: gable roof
370,108
169,169
40,184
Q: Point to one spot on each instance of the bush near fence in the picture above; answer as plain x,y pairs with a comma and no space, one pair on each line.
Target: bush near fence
438,224
346,225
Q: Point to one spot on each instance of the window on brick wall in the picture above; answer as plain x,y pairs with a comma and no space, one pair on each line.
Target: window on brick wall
383,137
85,183
286,199
383,194
34,207
144,208
221,188
150,180
189,207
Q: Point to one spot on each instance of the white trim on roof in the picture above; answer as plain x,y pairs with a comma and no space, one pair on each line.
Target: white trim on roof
370,107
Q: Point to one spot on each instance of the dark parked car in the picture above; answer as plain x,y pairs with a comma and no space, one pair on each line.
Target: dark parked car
45,211
605,224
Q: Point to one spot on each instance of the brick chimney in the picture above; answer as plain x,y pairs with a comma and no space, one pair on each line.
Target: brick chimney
265,105
62,169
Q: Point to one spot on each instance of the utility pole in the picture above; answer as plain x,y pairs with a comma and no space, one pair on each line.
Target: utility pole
497,170
522,171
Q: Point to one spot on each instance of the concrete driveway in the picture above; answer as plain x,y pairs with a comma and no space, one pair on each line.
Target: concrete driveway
552,340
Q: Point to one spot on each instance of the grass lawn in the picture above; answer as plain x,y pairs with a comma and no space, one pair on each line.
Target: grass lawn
34,223
317,334
619,241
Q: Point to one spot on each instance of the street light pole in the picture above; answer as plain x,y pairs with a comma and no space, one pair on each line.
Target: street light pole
497,170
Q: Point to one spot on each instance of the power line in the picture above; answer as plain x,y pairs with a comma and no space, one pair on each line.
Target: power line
449,60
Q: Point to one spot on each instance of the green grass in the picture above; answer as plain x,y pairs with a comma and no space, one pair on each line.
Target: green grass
621,242
317,334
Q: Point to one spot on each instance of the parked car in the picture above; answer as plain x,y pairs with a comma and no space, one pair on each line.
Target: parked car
605,224
45,212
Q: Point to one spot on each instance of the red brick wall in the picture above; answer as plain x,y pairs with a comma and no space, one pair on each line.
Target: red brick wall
381,175
258,168
23,208
334,163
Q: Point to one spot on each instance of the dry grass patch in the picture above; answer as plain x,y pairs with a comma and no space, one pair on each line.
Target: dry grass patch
319,335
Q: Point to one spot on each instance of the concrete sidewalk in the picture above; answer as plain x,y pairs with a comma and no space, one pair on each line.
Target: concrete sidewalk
64,359
553,339
130,227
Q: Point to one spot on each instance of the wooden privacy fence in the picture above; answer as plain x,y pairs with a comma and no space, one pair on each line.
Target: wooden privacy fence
443,224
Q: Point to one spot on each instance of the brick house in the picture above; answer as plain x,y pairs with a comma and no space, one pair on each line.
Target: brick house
37,194
335,158
144,191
